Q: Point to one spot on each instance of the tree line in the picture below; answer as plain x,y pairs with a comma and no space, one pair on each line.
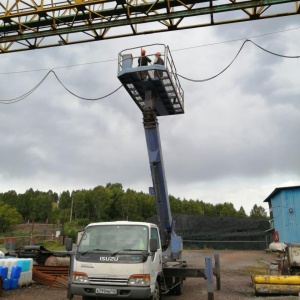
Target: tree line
102,203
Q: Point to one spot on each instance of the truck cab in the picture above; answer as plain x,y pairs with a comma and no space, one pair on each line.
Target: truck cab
117,259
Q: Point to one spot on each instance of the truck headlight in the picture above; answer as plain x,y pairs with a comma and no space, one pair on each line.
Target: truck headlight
139,279
80,277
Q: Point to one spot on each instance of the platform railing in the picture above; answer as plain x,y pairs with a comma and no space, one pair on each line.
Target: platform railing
128,58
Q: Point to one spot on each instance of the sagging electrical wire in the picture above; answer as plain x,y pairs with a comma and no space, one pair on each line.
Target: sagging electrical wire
273,53
14,100
175,50
247,40
22,97
83,98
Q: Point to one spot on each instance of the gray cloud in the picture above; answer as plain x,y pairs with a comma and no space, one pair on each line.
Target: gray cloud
237,141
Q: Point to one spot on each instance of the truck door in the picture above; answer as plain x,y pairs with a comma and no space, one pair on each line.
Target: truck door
157,258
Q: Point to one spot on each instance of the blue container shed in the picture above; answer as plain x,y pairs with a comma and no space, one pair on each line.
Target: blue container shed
284,206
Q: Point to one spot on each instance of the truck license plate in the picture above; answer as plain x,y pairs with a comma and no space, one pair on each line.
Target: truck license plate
106,291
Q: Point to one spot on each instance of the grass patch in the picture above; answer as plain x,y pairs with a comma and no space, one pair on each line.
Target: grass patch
53,245
259,269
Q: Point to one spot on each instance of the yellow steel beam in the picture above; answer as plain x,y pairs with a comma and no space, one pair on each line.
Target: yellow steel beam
276,284
277,289
32,24
279,279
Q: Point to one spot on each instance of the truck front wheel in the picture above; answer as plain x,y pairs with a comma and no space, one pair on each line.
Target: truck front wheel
156,295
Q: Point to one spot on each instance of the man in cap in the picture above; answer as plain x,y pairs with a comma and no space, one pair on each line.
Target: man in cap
158,61
143,61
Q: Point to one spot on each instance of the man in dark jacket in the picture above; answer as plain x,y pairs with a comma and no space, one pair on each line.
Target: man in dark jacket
143,61
159,61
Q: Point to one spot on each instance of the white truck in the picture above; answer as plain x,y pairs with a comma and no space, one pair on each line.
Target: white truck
118,259
137,260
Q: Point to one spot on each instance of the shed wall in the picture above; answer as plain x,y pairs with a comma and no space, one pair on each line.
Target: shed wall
286,213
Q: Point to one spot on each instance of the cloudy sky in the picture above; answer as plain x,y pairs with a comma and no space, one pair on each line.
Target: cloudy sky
237,141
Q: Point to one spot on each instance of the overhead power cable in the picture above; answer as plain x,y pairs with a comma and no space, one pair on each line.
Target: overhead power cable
14,100
273,53
84,98
22,97
235,40
210,78
175,50
60,67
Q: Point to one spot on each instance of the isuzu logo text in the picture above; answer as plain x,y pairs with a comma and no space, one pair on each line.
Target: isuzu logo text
106,258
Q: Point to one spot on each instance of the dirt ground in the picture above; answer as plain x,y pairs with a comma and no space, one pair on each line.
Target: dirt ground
235,279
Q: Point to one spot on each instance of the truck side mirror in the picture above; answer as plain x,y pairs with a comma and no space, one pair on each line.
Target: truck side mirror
69,244
153,245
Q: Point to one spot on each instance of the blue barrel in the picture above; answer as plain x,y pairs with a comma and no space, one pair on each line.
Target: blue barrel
3,272
6,283
15,272
13,283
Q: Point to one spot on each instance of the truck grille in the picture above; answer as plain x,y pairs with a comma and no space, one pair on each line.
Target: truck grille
108,281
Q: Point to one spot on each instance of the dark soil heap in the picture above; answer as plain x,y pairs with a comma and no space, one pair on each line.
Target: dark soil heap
189,226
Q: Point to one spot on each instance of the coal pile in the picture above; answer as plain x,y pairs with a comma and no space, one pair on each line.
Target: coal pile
190,226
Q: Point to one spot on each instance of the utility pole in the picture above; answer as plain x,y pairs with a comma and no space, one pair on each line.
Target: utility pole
71,213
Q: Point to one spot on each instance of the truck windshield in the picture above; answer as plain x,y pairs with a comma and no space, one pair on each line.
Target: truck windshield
114,238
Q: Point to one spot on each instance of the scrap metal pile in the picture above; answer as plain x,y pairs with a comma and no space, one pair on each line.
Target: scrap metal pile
52,276
50,268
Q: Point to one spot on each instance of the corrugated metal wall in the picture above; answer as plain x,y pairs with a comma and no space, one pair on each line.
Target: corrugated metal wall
286,214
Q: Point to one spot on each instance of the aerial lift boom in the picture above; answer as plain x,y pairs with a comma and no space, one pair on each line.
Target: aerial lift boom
158,175
139,260
159,95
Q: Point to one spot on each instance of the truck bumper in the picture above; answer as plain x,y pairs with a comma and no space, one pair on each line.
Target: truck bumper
122,292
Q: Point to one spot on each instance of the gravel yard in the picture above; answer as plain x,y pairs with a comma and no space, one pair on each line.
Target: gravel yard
235,279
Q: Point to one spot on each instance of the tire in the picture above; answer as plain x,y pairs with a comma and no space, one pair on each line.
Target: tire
157,293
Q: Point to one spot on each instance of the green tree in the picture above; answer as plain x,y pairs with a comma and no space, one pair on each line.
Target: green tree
258,212
209,210
185,207
9,217
175,204
241,213
147,206
43,206
89,205
23,206
101,202
79,204
54,215
116,192
10,198
65,200
127,206
228,210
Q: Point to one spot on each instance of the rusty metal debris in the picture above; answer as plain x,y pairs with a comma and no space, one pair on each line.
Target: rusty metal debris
52,276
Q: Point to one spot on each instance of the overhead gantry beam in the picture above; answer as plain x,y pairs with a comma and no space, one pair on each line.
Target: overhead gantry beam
29,24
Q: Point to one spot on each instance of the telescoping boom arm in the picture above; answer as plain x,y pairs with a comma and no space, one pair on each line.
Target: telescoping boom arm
157,92
158,175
